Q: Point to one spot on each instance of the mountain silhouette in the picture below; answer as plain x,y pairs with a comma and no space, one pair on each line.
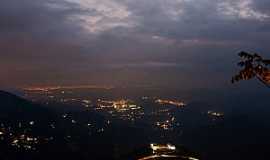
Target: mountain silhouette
13,107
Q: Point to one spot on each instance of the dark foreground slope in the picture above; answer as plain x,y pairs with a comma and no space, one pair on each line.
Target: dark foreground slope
14,108
237,137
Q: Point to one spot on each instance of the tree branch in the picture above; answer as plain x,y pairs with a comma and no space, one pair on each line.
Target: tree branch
260,79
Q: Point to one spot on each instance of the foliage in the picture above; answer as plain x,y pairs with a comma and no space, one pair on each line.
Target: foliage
253,66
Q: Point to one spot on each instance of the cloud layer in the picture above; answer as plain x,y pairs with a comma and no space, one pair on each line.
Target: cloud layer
152,42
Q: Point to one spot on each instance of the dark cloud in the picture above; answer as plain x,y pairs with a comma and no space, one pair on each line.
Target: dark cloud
121,41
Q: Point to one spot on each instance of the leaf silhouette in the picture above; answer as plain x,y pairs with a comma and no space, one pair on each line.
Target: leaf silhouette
253,66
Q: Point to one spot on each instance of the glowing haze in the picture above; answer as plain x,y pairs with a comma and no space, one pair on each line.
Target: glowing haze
178,43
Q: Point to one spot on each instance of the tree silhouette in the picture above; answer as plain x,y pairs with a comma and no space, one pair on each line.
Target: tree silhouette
253,66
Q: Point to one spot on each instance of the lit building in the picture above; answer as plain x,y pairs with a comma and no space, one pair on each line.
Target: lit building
161,148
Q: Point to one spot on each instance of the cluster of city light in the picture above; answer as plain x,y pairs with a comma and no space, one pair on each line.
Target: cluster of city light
170,102
86,103
215,114
90,125
20,139
48,88
164,125
167,120
122,109
20,134
124,105
125,109
24,141
162,148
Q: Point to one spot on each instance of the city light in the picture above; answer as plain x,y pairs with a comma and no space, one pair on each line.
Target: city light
170,102
162,148
215,114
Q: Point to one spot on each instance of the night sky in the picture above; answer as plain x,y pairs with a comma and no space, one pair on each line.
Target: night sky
177,43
